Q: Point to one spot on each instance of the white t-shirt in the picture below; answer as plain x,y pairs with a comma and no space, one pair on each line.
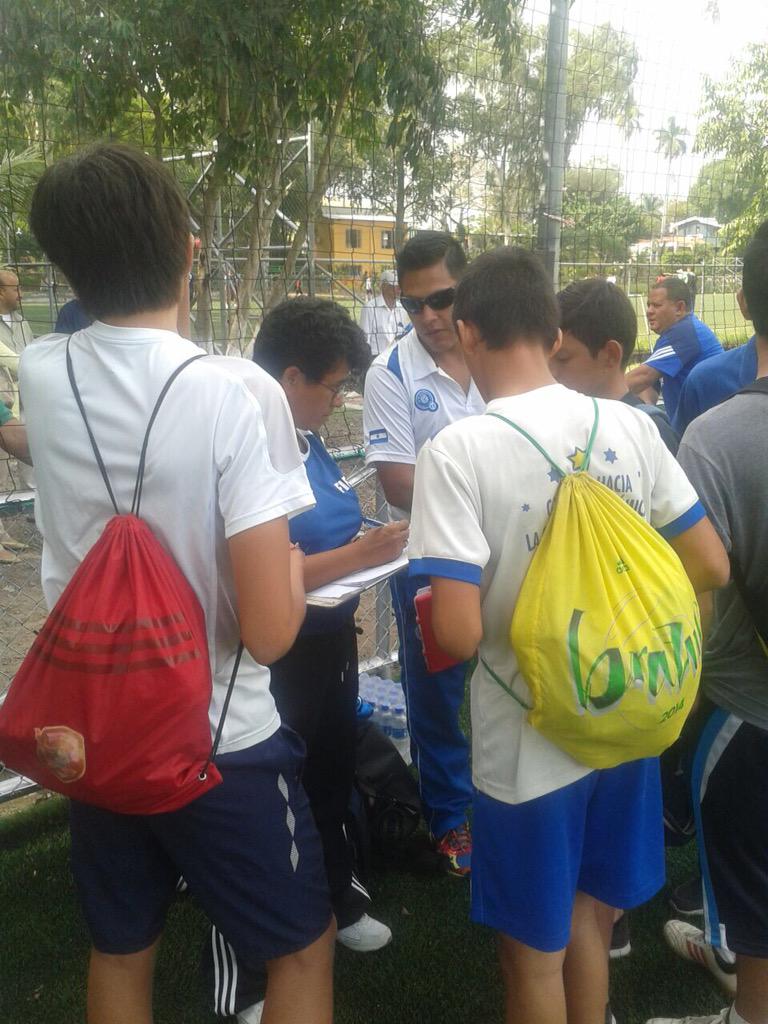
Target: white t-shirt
382,324
408,399
481,501
222,458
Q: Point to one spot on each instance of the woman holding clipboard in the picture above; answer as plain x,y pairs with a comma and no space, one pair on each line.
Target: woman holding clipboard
313,347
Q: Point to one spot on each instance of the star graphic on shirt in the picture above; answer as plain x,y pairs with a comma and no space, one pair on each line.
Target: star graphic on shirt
577,459
554,475
610,455
526,508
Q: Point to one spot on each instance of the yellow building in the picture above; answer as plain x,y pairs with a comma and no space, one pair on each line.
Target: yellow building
359,240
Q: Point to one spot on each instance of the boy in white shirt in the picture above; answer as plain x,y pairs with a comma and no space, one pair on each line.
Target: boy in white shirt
217,494
556,845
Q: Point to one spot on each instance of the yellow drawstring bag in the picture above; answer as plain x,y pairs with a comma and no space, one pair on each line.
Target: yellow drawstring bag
606,628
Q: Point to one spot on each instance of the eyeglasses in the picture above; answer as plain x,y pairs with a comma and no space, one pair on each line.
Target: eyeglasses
336,389
437,300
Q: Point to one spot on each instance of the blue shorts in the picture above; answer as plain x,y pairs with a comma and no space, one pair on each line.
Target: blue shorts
248,849
602,835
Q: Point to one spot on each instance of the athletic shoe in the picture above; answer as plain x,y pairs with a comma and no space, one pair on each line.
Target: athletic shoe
688,942
687,900
365,935
252,1015
456,847
717,1018
620,943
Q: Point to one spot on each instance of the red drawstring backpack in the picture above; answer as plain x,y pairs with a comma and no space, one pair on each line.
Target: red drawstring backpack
110,705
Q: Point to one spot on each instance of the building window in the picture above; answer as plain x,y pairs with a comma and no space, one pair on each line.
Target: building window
352,236
386,240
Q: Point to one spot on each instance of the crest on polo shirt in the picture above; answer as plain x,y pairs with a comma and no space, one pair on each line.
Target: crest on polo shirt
425,401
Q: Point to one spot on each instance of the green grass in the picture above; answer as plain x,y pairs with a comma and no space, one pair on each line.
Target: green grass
439,967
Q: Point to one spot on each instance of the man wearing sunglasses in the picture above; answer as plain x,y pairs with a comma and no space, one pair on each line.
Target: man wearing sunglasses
412,391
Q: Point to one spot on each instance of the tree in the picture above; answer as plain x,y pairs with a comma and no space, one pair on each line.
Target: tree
651,208
670,142
735,124
720,191
599,220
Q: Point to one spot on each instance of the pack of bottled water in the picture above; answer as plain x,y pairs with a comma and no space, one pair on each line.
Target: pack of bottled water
388,702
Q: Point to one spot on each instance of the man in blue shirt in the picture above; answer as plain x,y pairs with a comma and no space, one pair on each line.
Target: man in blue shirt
711,382
684,341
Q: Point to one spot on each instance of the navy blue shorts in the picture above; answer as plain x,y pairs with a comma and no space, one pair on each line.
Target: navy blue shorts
602,835
248,850
730,787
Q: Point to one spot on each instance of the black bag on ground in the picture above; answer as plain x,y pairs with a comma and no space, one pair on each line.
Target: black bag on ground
389,792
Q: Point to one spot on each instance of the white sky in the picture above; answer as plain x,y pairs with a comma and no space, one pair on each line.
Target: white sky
678,44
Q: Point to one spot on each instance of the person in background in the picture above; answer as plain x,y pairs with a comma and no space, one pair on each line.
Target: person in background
312,347
15,331
72,317
556,845
599,327
383,318
722,376
684,341
15,336
412,391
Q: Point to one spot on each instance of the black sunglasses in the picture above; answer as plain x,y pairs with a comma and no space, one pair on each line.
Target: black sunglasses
437,300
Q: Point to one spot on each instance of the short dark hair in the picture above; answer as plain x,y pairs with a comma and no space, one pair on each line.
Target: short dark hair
754,280
427,248
116,223
508,295
313,334
677,290
595,311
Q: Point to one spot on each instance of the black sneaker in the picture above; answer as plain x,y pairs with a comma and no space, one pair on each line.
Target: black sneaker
620,944
688,899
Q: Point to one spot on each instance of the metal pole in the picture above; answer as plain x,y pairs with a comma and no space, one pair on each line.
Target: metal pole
311,283
551,211
218,231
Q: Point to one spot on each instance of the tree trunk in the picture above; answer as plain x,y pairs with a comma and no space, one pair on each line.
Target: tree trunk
279,289
211,196
399,200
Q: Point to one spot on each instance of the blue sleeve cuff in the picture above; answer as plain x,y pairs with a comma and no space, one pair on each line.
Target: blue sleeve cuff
684,522
447,568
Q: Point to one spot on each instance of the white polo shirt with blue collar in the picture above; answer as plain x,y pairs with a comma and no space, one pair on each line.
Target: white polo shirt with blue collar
408,400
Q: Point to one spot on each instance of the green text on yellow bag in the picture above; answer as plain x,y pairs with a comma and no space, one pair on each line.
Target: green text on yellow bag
606,629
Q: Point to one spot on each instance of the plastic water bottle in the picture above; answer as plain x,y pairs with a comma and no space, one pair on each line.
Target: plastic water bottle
399,733
384,721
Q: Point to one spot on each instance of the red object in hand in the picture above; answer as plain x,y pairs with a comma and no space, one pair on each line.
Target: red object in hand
435,657
110,705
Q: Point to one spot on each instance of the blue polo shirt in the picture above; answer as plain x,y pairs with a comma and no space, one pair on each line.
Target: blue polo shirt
675,354
711,382
334,521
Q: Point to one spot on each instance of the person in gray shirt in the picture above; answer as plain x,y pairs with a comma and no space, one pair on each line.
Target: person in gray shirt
725,455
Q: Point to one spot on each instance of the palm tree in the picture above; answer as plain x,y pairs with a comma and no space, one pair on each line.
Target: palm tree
670,141
18,174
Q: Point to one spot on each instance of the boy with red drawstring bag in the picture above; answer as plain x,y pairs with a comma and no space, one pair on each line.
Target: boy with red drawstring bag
110,705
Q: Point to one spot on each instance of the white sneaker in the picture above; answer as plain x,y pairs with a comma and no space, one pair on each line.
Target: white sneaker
252,1015
689,943
364,935
718,1018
